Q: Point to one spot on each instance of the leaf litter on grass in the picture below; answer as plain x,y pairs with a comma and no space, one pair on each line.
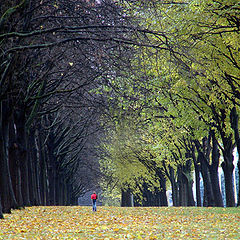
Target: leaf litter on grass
60,222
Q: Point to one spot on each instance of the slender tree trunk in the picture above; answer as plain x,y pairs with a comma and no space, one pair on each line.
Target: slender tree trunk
213,169
228,167
208,192
163,189
23,156
183,188
197,176
163,195
234,125
174,187
33,170
126,198
189,181
37,168
51,169
191,201
61,192
4,158
31,179
1,213
42,169
228,175
57,191
14,167
238,202
208,198
18,184
216,187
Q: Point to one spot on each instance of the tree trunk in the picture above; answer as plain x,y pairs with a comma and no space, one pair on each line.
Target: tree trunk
42,169
51,170
208,192
197,177
1,213
174,187
213,169
163,195
183,188
5,179
228,176
163,189
203,159
30,180
234,125
238,202
33,169
23,156
126,198
227,166
188,175
14,167
57,191
216,187
37,169
197,182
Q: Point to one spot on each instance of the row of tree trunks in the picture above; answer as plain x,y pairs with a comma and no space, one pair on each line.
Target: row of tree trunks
209,172
234,125
182,193
29,176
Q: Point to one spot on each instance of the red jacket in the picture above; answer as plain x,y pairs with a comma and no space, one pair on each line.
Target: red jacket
94,196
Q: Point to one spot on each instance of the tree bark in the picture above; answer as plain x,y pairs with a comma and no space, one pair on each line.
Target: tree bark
1,213
227,166
163,189
238,202
213,169
197,177
234,125
126,198
228,176
188,175
42,169
183,189
208,192
174,187
32,169
208,198
23,155
5,180
14,166
51,169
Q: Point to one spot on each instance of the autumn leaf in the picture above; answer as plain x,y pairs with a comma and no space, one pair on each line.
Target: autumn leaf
121,223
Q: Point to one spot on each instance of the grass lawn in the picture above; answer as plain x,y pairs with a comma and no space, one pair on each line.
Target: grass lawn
121,223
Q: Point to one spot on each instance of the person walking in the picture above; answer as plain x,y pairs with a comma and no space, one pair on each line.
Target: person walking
94,201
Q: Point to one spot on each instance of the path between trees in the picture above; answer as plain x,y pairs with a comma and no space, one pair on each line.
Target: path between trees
121,223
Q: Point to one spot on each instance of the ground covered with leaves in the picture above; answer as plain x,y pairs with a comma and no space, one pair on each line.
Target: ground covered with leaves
121,223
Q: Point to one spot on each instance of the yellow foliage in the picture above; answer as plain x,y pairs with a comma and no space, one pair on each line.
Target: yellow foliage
120,223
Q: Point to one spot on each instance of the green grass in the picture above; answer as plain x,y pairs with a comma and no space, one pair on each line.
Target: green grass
121,223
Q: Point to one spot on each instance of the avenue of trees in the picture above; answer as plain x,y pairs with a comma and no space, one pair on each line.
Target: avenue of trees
53,55
179,112
145,91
